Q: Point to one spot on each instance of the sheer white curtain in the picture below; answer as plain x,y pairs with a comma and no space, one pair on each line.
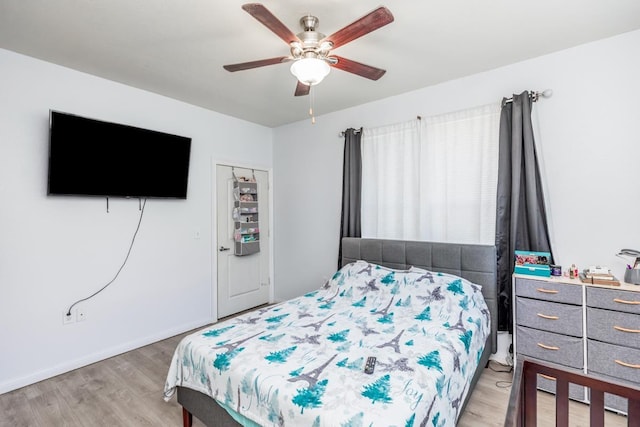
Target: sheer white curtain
461,161
390,190
432,180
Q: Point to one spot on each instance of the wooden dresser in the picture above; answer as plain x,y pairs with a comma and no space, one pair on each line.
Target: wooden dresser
588,328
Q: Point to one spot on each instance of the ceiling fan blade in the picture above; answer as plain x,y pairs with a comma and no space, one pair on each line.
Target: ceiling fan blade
269,20
358,68
255,64
368,23
302,89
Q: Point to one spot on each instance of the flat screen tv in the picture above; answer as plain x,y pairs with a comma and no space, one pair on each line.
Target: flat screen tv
89,157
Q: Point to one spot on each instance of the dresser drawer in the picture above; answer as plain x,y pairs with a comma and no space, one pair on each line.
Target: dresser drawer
556,348
613,327
613,299
613,360
611,401
549,316
547,383
549,291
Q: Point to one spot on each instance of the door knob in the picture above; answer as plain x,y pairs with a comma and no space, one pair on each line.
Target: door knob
222,249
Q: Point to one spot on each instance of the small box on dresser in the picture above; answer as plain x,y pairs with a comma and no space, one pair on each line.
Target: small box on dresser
593,329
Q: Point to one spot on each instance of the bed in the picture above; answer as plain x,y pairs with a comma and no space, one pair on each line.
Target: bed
423,309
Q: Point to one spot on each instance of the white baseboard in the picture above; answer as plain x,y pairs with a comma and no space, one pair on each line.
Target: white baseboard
62,368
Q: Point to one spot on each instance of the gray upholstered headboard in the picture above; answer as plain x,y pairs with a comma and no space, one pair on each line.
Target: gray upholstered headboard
476,263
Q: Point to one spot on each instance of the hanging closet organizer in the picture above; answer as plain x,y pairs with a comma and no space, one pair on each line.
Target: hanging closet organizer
246,233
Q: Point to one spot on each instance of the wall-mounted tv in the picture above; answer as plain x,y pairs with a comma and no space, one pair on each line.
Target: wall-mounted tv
89,157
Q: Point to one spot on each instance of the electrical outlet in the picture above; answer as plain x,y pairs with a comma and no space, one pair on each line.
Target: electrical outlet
81,314
66,320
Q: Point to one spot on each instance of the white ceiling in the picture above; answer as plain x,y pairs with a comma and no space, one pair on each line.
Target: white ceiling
177,47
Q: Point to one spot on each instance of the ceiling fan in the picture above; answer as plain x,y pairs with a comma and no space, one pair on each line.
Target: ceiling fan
311,50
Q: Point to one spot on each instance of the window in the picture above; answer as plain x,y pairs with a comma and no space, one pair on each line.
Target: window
433,179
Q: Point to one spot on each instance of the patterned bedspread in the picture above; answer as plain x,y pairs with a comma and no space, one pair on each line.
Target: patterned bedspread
300,363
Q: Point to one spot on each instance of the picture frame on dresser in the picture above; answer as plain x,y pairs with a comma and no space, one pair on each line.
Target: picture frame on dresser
585,328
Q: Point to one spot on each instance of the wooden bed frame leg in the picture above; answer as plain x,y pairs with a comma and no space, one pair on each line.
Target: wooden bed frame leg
187,418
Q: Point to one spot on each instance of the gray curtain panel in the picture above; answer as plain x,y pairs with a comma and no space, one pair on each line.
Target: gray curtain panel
351,187
521,221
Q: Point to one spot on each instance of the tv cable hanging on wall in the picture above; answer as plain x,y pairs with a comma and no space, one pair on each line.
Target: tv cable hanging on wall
144,203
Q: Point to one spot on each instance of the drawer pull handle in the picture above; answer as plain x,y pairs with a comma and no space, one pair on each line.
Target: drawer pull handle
546,316
628,365
624,301
547,377
548,347
621,329
547,291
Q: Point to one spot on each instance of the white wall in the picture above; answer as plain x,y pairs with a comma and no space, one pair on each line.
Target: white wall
589,144
55,250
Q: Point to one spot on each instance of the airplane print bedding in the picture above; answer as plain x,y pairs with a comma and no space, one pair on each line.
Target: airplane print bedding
301,362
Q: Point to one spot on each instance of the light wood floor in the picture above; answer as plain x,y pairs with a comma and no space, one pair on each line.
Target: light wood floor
126,390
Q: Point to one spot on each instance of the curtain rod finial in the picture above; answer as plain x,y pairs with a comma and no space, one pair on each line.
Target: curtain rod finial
547,93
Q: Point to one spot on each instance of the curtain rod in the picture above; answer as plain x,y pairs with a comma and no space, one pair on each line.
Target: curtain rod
341,134
535,95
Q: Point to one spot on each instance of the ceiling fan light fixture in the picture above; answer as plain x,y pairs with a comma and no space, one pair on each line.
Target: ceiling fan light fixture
310,71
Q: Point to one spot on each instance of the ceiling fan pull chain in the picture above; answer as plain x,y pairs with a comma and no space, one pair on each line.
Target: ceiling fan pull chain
311,97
